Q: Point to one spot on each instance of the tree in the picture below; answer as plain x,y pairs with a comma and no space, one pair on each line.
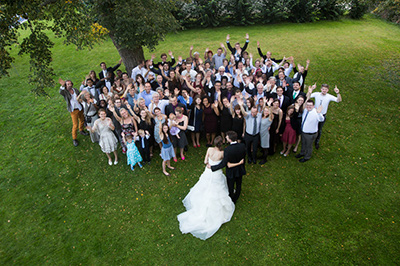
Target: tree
131,25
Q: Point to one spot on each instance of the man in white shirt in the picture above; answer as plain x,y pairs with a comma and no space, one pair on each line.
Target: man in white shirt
158,103
323,99
189,70
70,95
218,58
309,127
139,69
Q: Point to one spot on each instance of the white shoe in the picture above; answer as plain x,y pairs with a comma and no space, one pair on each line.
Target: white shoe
115,162
110,162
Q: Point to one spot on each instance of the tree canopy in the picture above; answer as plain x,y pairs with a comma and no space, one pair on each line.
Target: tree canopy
131,24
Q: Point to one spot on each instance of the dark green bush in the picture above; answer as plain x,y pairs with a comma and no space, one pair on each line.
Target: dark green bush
358,8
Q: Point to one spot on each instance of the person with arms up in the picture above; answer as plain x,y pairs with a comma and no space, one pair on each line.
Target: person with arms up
323,98
70,95
309,126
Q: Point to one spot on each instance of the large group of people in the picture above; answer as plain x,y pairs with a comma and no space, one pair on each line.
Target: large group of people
168,104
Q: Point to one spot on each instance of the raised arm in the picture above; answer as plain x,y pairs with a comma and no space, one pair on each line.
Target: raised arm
339,97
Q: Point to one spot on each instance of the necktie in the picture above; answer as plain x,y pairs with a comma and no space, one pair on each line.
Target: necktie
294,95
304,121
255,125
280,101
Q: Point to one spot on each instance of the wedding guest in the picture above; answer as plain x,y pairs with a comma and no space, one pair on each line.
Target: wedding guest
238,122
266,121
225,112
105,94
70,95
132,154
167,150
275,126
196,120
179,140
323,98
210,120
309,127
159,119
252,134
90,112
108,142
289,134
143,144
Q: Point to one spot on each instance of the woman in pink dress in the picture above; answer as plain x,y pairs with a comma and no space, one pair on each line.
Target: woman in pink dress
289,135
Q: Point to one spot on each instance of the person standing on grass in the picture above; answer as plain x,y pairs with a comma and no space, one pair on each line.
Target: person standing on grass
323,98
75,108
309,126
167,150
108,142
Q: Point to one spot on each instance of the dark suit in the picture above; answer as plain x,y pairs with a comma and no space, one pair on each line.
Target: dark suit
285,103
109,69
294,100
289,85
265,57
234,153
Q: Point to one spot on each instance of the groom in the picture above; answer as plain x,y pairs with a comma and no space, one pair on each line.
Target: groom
234,153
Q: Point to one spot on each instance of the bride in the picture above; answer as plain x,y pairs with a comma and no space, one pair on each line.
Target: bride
208,204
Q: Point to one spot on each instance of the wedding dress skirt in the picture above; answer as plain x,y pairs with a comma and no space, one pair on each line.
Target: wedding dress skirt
208,205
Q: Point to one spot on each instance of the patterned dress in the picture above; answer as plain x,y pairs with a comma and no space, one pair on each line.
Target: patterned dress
108,142
133,154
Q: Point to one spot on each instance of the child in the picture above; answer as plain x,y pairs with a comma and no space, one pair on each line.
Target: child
174,131
132,152
167,150
143,144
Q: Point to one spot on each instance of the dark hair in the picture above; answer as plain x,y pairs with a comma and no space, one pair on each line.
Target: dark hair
89,80
251,102
101,110
218,142
325,86
310,101
232,135
165,137
217,82
289,108
296,82
279,87
163,54
102,63
157,108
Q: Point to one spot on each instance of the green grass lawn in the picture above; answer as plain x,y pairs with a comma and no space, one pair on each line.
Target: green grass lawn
66,205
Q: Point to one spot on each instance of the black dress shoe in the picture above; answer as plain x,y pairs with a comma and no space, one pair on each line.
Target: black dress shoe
84,133
75,142
317,146
303,160
298,156
262,162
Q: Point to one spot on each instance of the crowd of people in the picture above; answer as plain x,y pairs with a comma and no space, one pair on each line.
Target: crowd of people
161,107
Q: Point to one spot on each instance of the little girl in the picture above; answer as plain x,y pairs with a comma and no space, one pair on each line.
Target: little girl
173,130
167,150
132,152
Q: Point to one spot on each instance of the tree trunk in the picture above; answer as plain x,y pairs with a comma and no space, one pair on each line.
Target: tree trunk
130,57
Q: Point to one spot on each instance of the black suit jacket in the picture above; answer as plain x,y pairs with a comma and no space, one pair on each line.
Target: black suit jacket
291,96
234,153
285,104
110,69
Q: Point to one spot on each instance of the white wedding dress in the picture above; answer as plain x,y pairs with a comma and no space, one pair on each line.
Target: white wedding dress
208,205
